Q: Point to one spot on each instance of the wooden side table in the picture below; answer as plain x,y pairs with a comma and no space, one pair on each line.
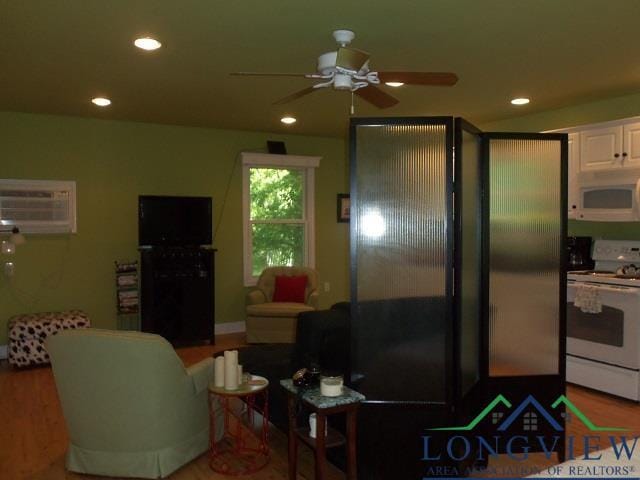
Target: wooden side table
347,403
244,446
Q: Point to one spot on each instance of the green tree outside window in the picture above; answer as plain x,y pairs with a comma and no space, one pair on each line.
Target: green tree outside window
277,217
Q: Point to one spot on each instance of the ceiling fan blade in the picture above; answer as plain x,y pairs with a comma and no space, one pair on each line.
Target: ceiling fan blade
376,96
443,79
351,59
261,74
296,95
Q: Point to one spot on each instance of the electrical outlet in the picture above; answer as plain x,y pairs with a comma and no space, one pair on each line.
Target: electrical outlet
327,286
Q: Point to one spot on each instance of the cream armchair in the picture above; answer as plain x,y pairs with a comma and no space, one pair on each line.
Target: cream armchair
131,407
275,322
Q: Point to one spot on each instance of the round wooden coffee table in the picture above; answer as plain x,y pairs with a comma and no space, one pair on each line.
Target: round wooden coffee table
244,446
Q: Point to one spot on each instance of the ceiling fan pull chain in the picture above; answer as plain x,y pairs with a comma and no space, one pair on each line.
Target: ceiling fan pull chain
352,109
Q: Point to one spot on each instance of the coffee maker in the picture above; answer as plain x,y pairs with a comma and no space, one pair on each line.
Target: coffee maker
579,254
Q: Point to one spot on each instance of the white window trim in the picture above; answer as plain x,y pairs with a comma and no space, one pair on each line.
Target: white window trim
309,164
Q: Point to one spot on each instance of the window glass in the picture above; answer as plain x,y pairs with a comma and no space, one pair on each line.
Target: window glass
276,244
276,193
278,218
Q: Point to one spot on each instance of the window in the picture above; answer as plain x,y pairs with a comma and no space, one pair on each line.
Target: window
496,417
530,421
278,211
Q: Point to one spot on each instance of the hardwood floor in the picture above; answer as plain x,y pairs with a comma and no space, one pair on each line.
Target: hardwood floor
33,435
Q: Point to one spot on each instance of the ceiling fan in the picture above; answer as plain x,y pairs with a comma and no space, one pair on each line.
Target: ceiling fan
348,69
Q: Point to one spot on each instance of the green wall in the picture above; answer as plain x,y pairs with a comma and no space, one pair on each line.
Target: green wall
113,162
594,112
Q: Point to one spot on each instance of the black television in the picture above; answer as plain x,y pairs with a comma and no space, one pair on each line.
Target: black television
174,221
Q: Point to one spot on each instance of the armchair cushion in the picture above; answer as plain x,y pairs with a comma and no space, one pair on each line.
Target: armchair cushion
277,309
290,288
267,281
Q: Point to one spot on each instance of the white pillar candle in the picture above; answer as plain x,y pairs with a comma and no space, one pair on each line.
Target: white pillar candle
239,374
231,370
218,379
312,425
313,421
331,386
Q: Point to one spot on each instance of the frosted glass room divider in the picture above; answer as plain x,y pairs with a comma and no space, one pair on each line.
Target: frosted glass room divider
457,244
525,251
400,226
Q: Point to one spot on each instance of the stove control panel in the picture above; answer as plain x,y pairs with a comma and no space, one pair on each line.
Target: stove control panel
617,251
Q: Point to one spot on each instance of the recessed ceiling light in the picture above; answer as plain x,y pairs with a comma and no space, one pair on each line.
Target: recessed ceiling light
288,120
394,84
520,101
101,101
147,43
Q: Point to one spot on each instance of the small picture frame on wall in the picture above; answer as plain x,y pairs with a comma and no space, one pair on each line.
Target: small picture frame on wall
344,208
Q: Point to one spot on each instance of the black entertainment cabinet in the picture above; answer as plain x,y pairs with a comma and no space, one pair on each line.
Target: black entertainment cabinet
177,293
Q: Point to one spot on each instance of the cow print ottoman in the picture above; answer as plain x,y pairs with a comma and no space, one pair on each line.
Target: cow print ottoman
27,334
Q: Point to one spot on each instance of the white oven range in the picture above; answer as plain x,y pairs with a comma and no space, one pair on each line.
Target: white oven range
603,321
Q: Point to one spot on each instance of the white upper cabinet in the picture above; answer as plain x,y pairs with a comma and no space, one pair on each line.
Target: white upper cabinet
573,196
631,150
601,149
610,148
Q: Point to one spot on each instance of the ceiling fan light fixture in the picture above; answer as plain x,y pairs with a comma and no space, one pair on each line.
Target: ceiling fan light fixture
101,101
520,101
342,81
288,120
343,37
147,43
394,84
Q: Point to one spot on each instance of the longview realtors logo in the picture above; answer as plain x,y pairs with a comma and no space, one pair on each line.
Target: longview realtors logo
528,416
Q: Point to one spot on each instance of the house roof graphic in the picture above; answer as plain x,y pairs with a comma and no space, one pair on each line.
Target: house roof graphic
529,402
583,418
486,411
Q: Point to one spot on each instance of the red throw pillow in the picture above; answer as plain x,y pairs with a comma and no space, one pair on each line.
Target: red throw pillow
290,288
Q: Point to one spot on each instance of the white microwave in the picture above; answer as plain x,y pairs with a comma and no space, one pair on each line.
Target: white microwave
607,201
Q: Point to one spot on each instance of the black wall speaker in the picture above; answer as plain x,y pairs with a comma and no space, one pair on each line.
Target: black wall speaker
277,148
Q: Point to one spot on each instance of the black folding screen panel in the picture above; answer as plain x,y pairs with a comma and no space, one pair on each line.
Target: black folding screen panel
454,233
468,200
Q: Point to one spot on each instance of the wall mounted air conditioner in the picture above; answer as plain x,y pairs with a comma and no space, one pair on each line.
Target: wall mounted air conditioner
38,206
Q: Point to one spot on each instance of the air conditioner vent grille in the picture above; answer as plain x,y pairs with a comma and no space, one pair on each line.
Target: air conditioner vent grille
38,206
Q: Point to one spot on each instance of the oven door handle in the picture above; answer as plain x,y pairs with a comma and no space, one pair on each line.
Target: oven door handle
637,200
606,288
